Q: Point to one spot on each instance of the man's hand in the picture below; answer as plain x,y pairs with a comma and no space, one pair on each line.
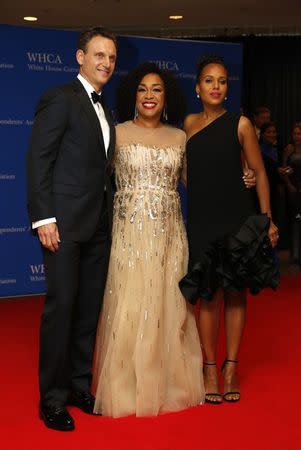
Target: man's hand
249,178
49,236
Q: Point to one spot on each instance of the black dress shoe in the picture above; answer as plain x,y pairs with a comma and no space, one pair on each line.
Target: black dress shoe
83,400
56,417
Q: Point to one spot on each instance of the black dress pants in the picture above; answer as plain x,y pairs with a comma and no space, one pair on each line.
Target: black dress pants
75,276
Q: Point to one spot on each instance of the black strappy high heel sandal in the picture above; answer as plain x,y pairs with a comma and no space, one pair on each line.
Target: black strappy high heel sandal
231,396
218,397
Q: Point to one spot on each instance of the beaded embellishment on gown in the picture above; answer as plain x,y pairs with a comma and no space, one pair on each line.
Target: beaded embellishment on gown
148,356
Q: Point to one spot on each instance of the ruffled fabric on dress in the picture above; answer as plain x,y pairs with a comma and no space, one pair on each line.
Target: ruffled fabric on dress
240,260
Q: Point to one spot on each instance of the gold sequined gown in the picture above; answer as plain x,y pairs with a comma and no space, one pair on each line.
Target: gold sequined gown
148,356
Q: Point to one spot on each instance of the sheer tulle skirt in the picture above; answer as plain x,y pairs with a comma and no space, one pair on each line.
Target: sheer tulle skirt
148,356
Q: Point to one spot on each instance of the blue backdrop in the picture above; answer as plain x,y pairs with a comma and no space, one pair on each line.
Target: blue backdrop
31,61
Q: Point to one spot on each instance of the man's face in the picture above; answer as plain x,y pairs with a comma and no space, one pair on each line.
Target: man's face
97,63
262,118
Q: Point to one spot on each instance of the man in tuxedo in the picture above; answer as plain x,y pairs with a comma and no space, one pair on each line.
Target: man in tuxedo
70,203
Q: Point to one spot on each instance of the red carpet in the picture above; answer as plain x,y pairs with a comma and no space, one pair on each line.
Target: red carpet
267,418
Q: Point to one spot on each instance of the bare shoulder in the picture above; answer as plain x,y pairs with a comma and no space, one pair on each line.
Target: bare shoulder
245,123
246,130
190,121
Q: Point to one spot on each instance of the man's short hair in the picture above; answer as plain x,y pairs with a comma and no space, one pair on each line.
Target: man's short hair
260,110
86,36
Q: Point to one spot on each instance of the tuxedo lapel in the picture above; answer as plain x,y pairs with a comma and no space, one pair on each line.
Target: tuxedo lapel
90,112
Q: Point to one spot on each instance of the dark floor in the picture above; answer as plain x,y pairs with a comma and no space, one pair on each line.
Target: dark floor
286,268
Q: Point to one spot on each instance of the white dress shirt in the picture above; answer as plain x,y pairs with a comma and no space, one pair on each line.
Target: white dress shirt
99,111
104,128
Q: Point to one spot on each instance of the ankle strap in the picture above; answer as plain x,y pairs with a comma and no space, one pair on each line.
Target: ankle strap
231,360
209,363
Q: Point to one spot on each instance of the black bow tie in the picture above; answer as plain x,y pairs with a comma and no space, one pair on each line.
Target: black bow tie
97,98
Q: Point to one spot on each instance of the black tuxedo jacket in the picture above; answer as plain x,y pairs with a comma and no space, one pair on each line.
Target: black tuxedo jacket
67,167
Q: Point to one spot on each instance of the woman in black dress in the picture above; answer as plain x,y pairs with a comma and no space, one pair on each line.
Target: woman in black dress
228,243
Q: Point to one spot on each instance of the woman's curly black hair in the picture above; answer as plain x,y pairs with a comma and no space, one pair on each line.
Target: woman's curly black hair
209,59
126,95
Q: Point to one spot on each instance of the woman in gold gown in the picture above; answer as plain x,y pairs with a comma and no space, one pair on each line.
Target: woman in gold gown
148,356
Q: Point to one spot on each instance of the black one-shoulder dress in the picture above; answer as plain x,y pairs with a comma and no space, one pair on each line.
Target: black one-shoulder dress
228,242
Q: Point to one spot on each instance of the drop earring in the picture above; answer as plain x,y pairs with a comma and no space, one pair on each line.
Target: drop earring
135,112
197,95
164,114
